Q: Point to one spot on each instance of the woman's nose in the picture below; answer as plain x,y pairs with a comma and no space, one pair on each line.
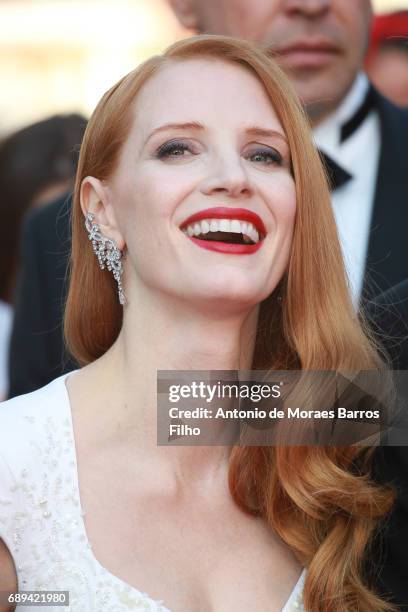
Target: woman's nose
230,178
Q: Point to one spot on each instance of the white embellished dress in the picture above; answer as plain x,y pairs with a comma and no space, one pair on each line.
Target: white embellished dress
41,520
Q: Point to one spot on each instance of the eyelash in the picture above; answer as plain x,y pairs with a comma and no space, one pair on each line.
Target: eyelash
274,157
169,148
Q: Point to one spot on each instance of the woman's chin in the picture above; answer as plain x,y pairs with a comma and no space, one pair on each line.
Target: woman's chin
228,298
217,293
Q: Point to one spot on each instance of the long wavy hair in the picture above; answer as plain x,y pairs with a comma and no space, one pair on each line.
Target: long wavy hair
320,500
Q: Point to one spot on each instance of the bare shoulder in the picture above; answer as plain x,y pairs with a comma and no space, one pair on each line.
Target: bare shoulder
8,576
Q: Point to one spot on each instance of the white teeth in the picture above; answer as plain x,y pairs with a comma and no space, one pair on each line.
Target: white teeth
254,235
224,225
205,227
248,230
234,226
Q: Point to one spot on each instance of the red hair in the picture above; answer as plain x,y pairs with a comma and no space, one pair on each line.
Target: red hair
311,496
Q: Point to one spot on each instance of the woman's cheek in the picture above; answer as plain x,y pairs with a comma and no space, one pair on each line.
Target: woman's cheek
280,199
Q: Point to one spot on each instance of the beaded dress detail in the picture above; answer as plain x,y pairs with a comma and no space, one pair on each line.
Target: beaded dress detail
41,519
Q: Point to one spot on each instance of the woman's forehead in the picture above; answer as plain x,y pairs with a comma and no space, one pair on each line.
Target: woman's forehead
203,89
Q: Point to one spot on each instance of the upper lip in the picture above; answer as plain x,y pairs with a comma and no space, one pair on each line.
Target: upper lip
315,45
223,212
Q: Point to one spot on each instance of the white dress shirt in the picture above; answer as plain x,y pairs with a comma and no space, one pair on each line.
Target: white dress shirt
353,202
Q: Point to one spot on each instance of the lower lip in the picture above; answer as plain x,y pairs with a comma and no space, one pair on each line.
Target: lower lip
225,247
308,59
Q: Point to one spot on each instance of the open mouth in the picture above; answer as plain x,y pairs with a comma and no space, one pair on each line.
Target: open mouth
230,231
234,231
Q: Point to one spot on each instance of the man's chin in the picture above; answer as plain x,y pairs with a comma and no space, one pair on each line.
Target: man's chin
318,102
321,94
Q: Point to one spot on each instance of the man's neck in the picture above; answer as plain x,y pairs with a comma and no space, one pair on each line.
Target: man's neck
318,112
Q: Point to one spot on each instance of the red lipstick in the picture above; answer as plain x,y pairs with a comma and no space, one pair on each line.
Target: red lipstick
222,212
225,247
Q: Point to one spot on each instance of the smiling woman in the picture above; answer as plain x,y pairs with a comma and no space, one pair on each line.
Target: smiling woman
203,194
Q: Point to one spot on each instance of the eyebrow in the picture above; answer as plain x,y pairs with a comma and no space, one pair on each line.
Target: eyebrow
191,125
265,133
195,125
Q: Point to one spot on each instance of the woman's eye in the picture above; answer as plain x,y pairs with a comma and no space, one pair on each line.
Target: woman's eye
265,156
173,149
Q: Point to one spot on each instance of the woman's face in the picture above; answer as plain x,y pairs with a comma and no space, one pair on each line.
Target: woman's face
203,194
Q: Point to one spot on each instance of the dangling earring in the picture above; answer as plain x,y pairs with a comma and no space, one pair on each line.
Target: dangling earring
107,253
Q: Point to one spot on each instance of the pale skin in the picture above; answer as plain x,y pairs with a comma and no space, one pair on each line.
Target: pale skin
321,43
162,519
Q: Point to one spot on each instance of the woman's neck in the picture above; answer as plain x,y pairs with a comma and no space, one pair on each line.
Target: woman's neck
165,338
170,337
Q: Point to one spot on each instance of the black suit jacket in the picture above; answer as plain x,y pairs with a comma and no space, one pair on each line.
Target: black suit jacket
387,257
387,266
390,463
37,353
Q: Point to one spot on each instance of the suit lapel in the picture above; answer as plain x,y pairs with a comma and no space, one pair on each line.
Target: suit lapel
387,256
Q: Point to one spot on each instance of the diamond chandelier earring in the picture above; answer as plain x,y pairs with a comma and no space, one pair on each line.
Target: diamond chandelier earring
107,252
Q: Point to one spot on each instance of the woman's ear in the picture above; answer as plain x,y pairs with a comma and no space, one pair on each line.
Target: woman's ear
185,11
95,199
